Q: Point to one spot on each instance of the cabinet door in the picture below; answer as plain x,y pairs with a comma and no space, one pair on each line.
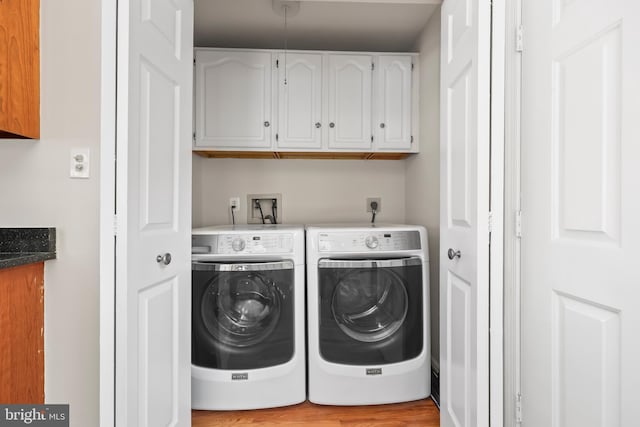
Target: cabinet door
233,99
393,102
299,101
350,78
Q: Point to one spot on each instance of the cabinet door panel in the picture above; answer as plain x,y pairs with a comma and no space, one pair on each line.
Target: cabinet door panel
233,99
393,102
350,79
299,101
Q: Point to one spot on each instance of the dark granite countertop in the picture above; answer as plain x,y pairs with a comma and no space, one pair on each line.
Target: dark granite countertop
20,246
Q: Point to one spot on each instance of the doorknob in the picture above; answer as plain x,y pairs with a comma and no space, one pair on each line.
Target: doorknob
164,259
453,254
318,125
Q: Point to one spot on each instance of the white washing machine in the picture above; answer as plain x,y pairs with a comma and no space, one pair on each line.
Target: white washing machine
248,335
367,313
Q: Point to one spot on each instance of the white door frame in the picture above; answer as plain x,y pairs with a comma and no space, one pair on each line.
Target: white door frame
496,204
107,211
512,191
505,175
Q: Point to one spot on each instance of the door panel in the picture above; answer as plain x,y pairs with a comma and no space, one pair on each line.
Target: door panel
233,99
154,107
300,101
464,210
580,213
393,101
350,79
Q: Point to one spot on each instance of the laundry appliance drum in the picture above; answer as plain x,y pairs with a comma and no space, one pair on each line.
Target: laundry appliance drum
370,310
370,305
242,314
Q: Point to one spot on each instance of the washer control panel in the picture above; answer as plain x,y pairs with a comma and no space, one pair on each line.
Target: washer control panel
259,243
367,241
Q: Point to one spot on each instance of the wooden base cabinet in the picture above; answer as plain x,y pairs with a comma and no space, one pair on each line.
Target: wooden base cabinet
20,69
22,334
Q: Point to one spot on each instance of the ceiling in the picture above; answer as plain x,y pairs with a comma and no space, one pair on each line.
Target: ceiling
356,25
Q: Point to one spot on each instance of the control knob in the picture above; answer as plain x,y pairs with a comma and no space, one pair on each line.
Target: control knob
371,242
238,244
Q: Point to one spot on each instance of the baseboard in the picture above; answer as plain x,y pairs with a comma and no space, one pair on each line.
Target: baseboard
435,387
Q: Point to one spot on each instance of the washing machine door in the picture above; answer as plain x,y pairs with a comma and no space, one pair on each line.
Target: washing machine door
370,310
242,314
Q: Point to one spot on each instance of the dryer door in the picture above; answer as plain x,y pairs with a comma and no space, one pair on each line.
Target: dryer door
371,311
242,314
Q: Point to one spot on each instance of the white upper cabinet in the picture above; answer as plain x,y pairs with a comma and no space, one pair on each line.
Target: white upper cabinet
305,101
393,102
300,123
350,80
233,95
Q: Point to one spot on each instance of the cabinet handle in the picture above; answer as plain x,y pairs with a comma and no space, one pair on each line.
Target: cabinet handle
381,125
267,124
318,125
332,125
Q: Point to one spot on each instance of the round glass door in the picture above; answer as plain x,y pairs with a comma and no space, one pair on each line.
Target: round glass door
241,309
370,305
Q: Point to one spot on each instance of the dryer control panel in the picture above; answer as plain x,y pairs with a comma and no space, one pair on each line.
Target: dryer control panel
258,243
367,241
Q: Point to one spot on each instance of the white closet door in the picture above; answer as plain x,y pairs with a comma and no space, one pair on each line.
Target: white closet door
153,256
393,102
350,79
233,99
581,214
464,213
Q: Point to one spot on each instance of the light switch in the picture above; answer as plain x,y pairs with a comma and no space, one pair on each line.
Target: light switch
79,163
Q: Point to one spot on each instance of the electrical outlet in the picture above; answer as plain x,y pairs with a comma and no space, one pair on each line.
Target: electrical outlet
79,163
234,202
378,200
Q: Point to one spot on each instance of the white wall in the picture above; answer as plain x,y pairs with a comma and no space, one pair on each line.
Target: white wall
36,192
312,190
423,170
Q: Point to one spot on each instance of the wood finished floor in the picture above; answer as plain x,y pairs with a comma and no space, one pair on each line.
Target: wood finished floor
421,413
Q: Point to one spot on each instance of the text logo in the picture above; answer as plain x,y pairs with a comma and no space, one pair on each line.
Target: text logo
374,371
242,376
34,415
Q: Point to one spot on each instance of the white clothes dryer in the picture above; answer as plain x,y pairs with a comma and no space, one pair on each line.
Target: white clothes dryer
367,313
248,337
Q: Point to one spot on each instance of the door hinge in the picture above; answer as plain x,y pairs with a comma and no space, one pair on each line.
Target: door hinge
277,137
194,136
277,63
490,222
371,138
412,139
412,66
519,408
518,224
519,38
115,225
373,66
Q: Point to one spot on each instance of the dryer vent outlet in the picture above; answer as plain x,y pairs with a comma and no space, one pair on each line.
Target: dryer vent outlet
264,208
